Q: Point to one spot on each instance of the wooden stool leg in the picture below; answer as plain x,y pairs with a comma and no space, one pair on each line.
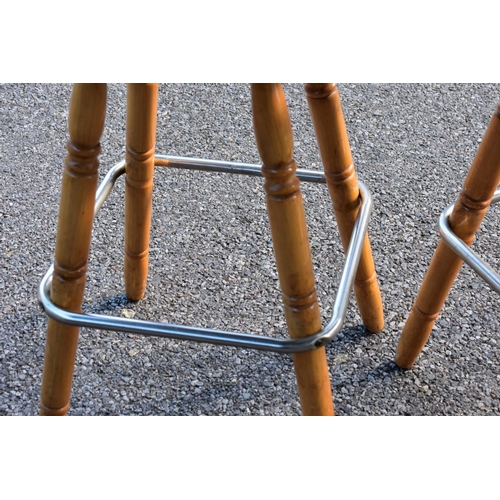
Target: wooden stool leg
291,246
468,213
141,136
328,120
76,211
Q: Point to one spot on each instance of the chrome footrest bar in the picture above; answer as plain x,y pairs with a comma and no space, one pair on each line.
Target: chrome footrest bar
465,252
235,339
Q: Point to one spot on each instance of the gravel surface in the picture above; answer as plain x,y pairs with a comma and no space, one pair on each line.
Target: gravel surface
212,264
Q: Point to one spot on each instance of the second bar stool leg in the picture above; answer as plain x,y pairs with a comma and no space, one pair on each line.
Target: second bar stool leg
142,105
86,122
273,134
328,119
467,215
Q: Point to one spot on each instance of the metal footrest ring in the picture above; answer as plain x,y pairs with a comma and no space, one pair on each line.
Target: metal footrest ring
220,337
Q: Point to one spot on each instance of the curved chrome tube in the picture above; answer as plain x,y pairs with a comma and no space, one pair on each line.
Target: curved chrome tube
465,252
228,167
107,185
235,339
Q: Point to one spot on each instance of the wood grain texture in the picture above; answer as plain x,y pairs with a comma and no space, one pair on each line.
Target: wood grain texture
468,213
79,184
273,134
141,136
329,125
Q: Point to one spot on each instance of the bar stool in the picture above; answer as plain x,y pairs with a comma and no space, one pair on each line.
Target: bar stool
61,290
457,225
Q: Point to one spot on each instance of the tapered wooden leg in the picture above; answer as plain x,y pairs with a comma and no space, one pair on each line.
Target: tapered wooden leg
79,184
291,246
328,120
141,135
468,213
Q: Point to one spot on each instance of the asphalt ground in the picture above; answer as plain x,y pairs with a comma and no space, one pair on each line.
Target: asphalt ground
212,264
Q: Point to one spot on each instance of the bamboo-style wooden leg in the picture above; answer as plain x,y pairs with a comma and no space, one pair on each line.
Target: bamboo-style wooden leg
328,119
291,246
468,213
141,135
79,184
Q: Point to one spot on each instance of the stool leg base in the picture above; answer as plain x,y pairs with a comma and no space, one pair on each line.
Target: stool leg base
313,385
60,353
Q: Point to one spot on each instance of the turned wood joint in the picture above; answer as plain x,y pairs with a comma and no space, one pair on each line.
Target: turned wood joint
69,273
470,204
281,181
346,207
426,317
320,90
138,183
365,282
54,412
300,302
140,156
137,255
82,161
139,165
340,177
336,177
